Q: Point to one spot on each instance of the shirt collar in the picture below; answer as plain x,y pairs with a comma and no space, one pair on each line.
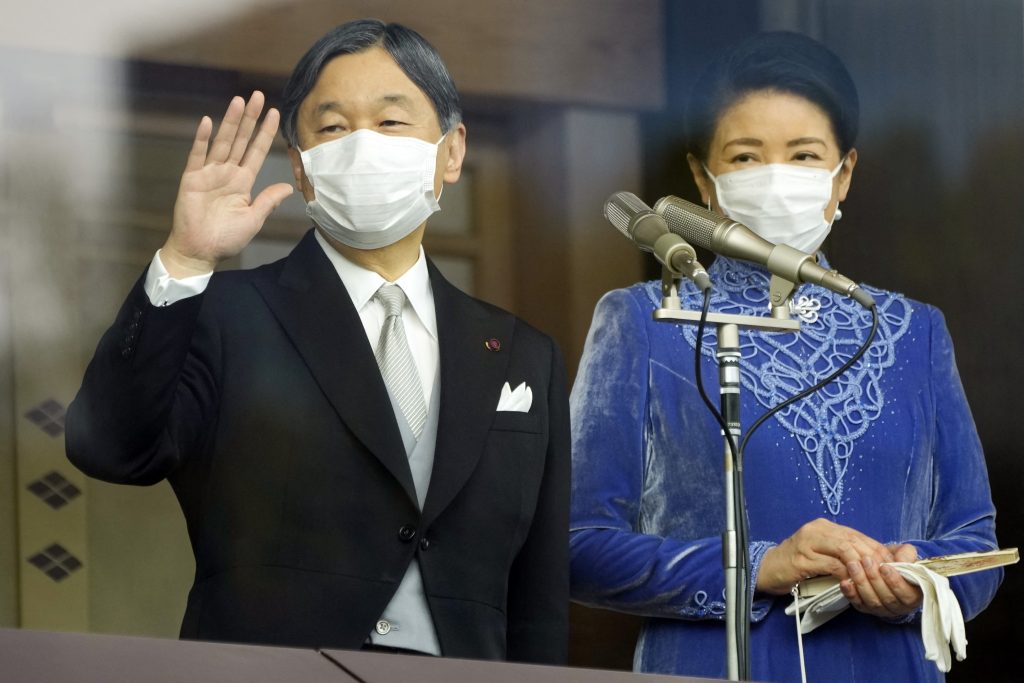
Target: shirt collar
362,283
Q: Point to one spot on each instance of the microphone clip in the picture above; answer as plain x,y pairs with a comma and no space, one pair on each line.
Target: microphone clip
670,289
780,291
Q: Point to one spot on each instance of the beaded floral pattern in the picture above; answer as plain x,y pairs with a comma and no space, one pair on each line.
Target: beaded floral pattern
775,366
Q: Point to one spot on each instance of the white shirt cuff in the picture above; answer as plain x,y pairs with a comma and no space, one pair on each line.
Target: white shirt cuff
164,290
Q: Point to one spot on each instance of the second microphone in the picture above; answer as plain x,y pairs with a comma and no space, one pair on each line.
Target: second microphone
649,231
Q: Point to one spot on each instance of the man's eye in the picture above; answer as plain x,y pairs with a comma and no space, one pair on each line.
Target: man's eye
332,129
391,122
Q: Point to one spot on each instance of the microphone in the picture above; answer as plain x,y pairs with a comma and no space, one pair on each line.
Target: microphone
650,232
727,237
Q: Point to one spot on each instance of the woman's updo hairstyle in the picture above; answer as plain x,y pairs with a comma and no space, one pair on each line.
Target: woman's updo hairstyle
781,61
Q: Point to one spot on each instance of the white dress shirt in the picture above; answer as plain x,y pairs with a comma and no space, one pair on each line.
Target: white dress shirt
418,315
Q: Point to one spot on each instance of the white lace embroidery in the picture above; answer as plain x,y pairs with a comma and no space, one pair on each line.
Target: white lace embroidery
774,366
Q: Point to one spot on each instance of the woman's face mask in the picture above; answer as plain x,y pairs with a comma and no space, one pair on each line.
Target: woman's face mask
783,203
371,190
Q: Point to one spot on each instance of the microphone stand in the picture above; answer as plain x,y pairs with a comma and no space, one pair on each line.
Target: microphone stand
735,557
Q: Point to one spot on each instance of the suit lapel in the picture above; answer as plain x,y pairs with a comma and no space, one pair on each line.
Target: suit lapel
471,379
313,307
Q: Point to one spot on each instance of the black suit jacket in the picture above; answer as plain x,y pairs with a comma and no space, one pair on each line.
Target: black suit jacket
262,404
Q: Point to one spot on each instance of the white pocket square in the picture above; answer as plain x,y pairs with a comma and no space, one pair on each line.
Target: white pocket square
516,401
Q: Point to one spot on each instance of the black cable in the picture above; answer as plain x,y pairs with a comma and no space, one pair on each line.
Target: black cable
739,508
807,392
739,498
699,375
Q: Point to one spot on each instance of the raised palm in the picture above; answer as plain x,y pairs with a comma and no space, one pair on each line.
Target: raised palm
215,215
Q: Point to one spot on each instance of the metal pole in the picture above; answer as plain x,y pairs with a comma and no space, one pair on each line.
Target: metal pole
737,618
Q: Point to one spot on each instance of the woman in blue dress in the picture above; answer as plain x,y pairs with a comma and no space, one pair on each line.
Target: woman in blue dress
882,465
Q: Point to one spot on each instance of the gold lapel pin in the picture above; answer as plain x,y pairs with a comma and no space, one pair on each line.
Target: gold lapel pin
492,344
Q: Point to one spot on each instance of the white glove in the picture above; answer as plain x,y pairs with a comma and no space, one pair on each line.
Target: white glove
942,622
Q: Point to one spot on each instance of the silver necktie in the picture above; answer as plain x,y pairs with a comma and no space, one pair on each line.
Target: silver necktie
395,360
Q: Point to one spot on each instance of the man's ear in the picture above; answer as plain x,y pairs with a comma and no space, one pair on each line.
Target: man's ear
298,172
700,177
455,142
302,183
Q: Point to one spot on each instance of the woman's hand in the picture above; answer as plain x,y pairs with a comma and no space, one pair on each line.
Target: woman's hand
215,216
817,548
882,591
823,547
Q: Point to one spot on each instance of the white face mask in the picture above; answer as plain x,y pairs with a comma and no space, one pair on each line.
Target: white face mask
783,203
371,190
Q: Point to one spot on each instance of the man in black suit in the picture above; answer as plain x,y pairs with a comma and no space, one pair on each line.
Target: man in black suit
359,465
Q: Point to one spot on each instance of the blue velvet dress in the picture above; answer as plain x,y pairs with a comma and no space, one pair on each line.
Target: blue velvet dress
889,449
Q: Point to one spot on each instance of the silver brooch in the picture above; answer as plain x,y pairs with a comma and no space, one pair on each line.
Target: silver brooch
806,308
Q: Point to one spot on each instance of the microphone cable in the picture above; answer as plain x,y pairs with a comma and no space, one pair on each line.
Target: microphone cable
742,636
743,595
807,392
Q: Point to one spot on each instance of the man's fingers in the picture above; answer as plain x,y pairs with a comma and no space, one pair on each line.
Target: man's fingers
270,198
260,147
197,155
225,137
245,127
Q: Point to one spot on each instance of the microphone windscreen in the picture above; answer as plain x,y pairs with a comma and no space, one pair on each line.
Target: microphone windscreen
691,221
616,216
622,208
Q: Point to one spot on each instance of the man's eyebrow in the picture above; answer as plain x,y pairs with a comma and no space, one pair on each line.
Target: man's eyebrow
396,98
330,105
334,105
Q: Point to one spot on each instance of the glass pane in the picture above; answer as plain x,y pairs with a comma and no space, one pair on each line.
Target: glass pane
278,169
456,214
458,270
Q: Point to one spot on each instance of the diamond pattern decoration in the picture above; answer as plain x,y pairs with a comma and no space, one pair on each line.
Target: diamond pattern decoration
56,562
48,416
54,490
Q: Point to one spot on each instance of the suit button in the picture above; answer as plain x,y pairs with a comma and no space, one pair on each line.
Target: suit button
407,533
424,543
383,627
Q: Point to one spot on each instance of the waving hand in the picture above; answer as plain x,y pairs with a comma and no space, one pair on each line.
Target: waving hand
215,215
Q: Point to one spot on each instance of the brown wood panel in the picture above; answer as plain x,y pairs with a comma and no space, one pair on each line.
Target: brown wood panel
588,51
8,464
568,161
